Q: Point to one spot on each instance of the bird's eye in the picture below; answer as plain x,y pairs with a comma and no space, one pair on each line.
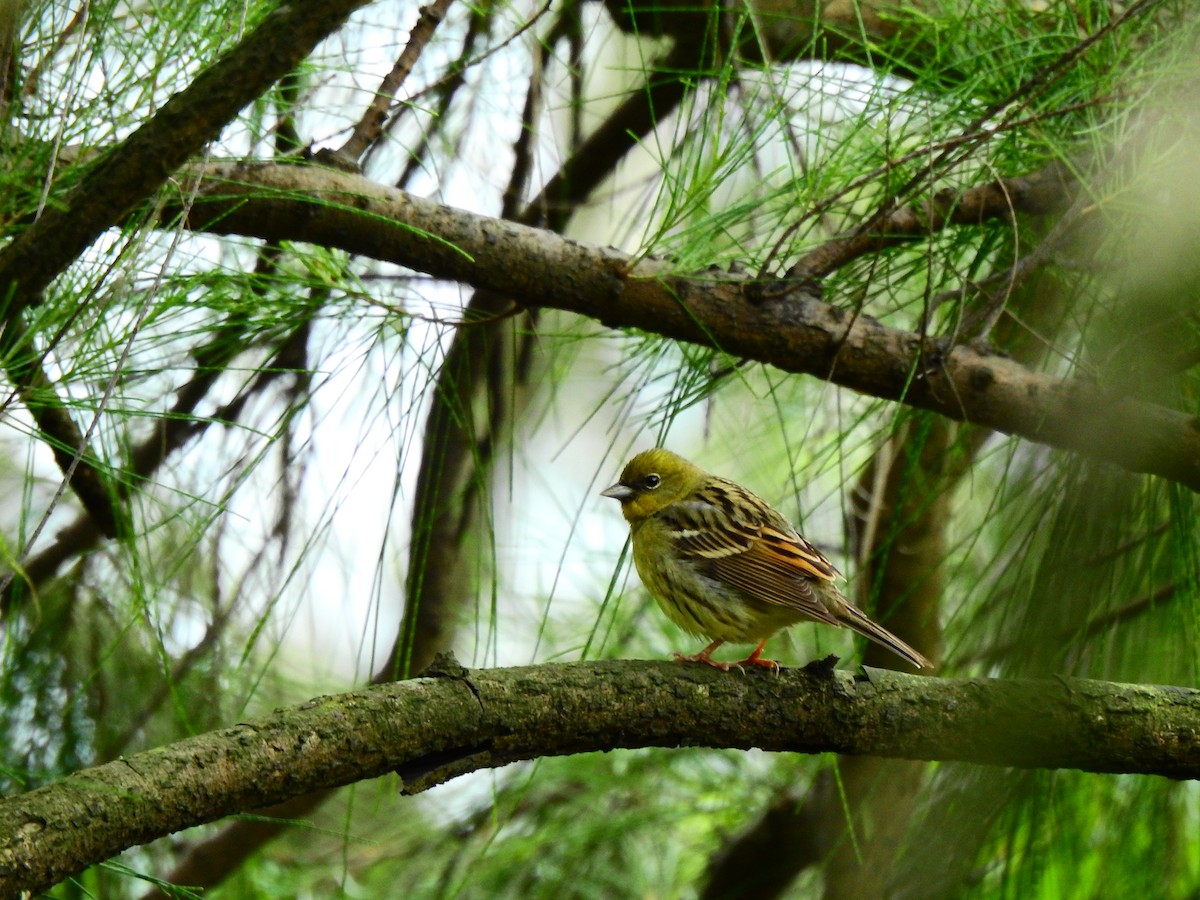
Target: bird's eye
651,481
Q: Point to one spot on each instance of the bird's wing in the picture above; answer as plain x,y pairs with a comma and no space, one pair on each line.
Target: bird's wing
741,541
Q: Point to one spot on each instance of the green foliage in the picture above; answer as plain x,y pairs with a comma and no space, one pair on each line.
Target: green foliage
264,557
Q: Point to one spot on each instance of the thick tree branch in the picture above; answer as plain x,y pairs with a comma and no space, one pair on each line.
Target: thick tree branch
432,729
133,170
794,333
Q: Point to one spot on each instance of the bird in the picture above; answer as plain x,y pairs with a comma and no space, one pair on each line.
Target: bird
725,565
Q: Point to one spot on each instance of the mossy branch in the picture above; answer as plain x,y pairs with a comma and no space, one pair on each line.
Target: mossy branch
431,729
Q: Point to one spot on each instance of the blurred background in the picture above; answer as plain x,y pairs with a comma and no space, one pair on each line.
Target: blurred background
324,468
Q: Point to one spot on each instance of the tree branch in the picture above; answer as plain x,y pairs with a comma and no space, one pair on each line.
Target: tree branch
370,127
793,333
135,168
1047,190
432,729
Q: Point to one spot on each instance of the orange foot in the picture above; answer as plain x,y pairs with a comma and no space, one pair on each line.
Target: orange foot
705,656
756,659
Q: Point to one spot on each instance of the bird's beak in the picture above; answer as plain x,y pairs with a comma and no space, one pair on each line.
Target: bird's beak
619,491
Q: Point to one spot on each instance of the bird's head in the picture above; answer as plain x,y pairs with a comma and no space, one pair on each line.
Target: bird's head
653,480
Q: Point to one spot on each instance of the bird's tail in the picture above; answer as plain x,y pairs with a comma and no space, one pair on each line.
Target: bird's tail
854,618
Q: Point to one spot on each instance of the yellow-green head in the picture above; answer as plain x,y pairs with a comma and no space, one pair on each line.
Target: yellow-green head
653,480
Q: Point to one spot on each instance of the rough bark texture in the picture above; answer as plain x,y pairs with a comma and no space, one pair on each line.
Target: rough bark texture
431,729
795,333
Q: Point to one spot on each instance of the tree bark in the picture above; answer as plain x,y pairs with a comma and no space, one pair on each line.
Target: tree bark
431,729
794,332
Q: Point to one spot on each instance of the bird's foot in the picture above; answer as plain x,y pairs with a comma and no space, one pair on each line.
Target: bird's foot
703,657
755,660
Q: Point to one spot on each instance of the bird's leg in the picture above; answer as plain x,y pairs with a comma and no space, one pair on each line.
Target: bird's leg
704,656
756,659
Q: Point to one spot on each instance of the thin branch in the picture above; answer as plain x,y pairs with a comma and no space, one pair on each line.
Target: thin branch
370,127
977,131
59,431
445,90
1039,193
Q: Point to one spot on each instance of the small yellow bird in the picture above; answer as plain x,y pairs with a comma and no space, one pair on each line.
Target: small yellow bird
723,564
